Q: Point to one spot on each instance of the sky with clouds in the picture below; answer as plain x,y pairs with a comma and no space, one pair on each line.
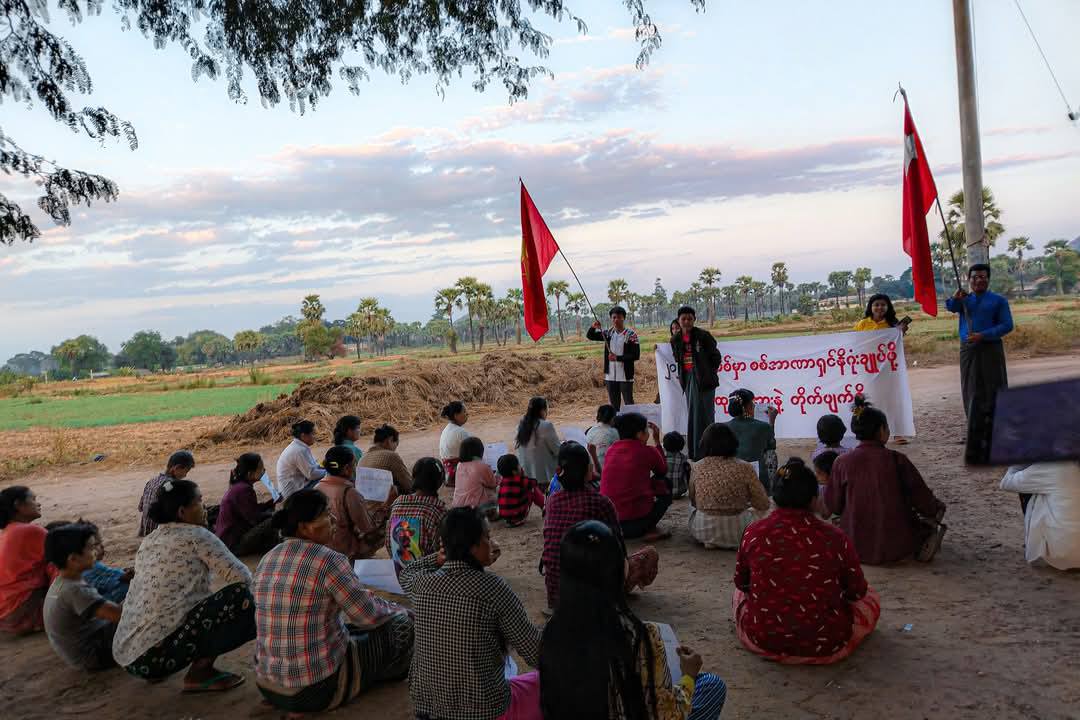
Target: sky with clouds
760,132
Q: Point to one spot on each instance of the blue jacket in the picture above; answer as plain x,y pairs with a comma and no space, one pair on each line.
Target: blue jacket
989,312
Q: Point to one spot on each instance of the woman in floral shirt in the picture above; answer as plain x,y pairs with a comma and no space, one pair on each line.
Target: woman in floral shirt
725,493
598,661
800,596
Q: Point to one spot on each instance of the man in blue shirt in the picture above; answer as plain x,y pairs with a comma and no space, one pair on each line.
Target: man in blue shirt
985,319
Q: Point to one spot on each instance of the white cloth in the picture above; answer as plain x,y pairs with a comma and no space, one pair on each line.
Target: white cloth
540,458
602,436
297,468
1052,521
720,531
173,567
450,441
616,344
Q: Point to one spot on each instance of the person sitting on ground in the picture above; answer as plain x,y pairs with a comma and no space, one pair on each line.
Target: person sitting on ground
307,659
1052,513
579,501
830,434
415,518
757,438
179,465
80,623
635,478
112,583
347,434
601,435
599,661
517,493
452,436
537,443
823,465
171,618
678,465
725,492
800,597
383,455
476,484
25,574
296,466
884,505
467,619
243,523
880,315
358,533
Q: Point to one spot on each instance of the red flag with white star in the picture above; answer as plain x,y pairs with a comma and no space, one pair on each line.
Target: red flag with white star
919,195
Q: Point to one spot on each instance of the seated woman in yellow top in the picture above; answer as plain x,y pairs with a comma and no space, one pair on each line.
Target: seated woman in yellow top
880,315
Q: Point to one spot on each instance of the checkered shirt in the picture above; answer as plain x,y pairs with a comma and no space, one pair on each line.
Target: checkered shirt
466,619
563,510
302,591
430,511
678,472
149,494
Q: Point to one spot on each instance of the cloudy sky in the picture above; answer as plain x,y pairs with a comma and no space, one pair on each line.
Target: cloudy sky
760,132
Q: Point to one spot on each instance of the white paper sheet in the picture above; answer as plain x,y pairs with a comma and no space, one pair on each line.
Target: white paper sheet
510,669
378,574
574,434
492,453
650,411
274,492
374,484
671,644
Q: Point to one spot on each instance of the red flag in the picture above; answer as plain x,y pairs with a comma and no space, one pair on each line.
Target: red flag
538,247
919,195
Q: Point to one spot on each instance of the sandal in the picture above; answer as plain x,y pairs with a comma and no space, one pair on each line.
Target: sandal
221,682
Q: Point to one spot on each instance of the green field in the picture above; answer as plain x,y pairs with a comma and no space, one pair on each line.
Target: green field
94,410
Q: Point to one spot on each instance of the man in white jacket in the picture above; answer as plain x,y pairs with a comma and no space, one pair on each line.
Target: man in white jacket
1052,516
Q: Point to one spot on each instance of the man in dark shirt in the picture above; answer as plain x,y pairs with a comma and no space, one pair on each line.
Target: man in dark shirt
985,319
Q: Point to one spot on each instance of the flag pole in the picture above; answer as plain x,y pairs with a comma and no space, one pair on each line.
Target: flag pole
949,240
591,308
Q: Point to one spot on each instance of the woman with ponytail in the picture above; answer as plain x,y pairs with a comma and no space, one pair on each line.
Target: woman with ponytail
358,532
757,438
452,436
243,523
883,502
792,559
323,638
347,433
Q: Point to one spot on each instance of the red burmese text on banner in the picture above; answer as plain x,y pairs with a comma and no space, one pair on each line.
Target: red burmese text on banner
919,195
538,247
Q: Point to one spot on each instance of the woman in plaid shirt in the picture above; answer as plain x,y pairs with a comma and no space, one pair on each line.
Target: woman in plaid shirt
307,659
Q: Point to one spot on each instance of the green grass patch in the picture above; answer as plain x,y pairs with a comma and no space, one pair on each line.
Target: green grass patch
122,408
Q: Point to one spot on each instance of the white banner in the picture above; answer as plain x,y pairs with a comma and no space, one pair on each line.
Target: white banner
803,378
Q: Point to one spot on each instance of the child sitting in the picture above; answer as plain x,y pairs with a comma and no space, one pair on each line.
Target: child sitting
830,435
601,435
79,622
111,582
823,464
415,518
678,465
517,493
476,485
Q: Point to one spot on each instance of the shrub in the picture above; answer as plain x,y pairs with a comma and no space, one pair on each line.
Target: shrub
126,371
258,377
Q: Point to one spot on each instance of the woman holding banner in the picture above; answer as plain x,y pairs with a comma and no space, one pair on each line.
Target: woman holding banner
880,315
695,352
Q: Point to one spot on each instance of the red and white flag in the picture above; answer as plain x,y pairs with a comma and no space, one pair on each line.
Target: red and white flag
919,195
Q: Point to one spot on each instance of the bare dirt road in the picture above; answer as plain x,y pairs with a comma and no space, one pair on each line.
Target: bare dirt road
976,634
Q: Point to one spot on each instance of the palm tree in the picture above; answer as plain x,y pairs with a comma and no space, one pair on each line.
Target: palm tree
470,291
617,290
556,289
939,255
861,276
779,279
575,303
517,298
758,288
745,284
1018,245
1058,250
365,322
730,294
445,302
486,310
992,228
312,309
708,277
840,280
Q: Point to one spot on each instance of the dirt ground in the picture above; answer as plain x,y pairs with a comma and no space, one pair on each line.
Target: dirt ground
976,634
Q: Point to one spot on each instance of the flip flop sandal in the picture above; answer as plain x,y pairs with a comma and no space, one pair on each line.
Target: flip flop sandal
211,685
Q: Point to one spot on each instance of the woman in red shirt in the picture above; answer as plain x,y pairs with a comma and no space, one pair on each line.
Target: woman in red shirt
800,596
24,573
634,478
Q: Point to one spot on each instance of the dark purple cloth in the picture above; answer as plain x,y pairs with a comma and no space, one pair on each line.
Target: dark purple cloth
876,492
240,511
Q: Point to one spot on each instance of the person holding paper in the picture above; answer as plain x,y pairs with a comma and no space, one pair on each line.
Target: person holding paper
757,438
537,443
601,435
243,523
359,534
296,466
383,455
695,352
323,638
725,493
621,351
452,436
477,486
599,661
1052,515
800,597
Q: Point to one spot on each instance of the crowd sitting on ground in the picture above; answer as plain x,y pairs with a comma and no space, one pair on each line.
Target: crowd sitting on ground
801,533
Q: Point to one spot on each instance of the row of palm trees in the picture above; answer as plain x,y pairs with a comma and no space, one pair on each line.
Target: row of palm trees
483,310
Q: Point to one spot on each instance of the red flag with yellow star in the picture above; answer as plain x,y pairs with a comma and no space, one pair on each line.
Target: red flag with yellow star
538,247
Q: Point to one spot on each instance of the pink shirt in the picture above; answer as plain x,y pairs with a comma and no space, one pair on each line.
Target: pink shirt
628,477
475,485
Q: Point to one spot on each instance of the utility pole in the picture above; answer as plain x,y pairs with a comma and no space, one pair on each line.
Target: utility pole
978,251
